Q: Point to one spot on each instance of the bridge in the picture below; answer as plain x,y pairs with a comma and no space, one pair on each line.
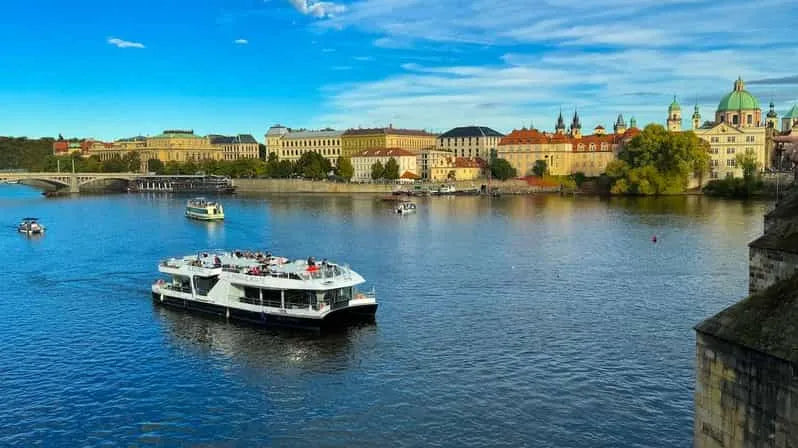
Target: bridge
70,181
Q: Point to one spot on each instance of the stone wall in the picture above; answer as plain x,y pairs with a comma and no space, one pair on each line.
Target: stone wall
308,186
768,266
743,398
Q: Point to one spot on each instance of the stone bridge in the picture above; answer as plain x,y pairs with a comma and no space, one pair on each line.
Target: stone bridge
70,181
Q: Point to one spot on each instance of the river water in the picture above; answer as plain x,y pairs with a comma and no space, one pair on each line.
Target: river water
517,321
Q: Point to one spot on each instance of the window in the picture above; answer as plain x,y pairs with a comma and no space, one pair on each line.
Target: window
750,119
729,150
714,150
714,139
714,163
729,139
750,138
731,163
734,119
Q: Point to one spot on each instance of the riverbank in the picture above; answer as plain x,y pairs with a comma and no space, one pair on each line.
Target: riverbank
514,186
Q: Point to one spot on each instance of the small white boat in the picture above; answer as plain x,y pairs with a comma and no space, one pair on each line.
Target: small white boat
202,209
30,226
445,190
406,207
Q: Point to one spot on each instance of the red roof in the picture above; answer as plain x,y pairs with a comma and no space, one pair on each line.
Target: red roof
462,162
384,152
409,175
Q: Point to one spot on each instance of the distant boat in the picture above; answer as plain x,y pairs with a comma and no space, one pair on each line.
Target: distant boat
204,210
445,190
406,208
30,226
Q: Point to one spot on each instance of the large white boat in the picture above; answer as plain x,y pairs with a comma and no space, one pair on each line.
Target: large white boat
202,209
30,226
264,289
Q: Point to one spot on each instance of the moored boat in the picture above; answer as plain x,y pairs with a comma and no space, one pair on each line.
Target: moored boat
202,209
445,190
30,226
265,289
406,207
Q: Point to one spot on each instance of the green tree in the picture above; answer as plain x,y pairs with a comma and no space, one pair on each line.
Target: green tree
155,166
502,170
377,170
313,165
391,169
658,162
540,168
345,168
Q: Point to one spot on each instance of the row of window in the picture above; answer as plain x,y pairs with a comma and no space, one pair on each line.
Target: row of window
453,141
749,119
296,143
732,139
299,152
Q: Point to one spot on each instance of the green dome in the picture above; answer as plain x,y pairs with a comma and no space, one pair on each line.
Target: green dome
793,113
738,99
674,105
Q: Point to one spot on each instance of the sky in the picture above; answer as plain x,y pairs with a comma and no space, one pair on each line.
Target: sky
108,70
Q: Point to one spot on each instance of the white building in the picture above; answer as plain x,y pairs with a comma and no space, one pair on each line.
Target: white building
363,160
470,141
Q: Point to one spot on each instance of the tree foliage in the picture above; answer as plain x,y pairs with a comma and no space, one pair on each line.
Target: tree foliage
391,169
313,165
540,168
345,168
377,170
658,162
501,169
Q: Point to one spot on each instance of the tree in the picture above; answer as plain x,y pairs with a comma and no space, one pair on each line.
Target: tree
345,168
540,168
391,169
658,162
502,170
155,165
377,170
313,165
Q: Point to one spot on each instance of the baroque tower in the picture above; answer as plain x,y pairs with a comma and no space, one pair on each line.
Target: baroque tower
576,126
620,125
772,119
696,118
674,116
560,127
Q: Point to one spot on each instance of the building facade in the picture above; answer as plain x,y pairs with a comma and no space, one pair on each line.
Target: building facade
363,160
790,120
354,141
469,141
674,120
273,137
563,153
428,158
453,168
241,146
294,144
738,129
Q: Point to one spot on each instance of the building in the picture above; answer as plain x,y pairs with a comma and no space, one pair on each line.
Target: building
273,137
363,160
429,157
180,146
746,392
564,154
293,144
674,121
469,141
241,146
738,129
355,141
790,120
454,168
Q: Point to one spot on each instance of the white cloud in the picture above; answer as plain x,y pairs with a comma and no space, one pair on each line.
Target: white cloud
124,43
241,41
318,9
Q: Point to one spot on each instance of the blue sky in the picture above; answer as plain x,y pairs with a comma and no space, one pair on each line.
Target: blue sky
114,69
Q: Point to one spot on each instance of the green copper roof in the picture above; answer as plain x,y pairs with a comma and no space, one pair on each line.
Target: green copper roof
177,134
793,113
738,99
674,105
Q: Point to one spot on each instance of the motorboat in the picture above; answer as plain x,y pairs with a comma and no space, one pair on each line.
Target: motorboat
406,207
445,190
30,226
204,210
265,289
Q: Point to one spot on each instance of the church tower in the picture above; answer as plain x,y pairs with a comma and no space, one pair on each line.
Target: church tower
772,119
696,118
576,126
560,127
620,125
633,123
674,116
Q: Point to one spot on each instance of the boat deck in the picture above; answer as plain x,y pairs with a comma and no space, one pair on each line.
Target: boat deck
259,264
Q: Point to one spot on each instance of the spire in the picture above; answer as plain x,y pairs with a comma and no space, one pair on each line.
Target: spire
619,121
632,122
575,124
560,122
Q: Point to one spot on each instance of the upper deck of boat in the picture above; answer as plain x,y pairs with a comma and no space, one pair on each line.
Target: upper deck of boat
260,265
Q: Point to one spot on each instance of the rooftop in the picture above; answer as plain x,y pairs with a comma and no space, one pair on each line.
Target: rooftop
313,134
471,131
765,322
388,130
224,139
175,133
384,152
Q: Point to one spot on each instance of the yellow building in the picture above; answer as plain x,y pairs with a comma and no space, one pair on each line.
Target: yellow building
241,146
454,168
738,129
356,140
293,144
273,137
429,157
564,154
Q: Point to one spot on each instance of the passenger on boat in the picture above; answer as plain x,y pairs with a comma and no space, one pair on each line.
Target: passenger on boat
311,261
217,262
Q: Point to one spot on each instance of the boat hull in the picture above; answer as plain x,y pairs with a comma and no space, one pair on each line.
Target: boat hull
335,319
219,217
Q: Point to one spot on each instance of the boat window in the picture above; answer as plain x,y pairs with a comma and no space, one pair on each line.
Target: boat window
203,285
298,298
272,297
251,293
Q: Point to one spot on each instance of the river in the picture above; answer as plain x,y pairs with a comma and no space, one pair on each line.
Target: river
516,321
